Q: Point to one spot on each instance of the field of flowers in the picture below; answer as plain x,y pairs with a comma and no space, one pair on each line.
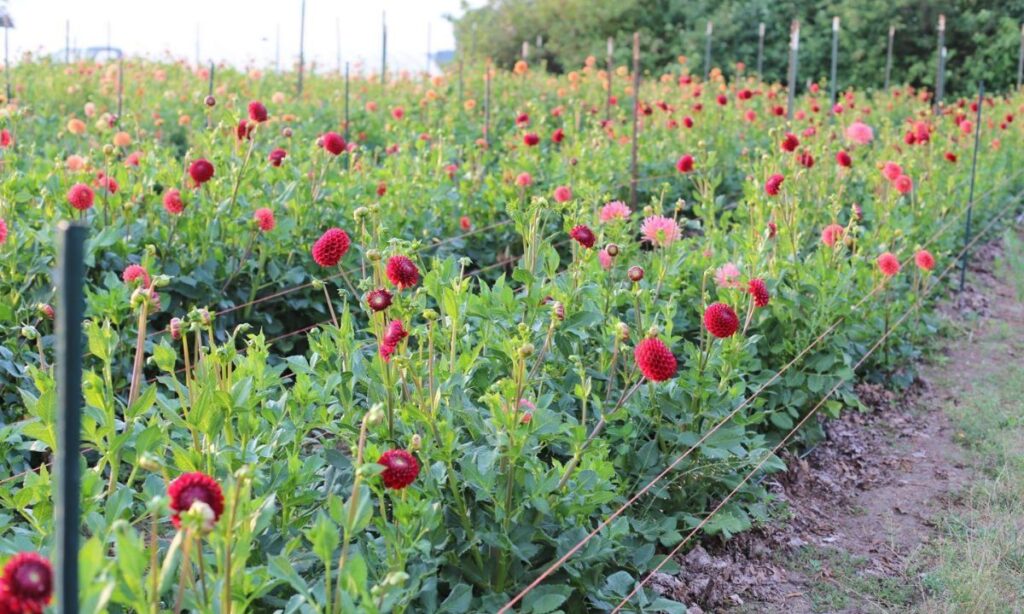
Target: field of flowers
421,360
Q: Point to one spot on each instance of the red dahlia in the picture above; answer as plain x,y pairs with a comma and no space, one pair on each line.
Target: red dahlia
379,299
924,260
888,264
721,320
531,139
26,585
257,112
331,247
790,142
759,291
265,219
583,235
558,136
173,203
393,335
244,129
402,272
200,171
80,196
189,488
655,360
3,231
277,156
773,185
333,143
685,164
844,159
400,469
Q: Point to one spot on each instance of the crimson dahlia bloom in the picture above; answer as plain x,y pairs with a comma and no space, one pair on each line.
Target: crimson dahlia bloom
774,185
757,289
903,184
583,235
685,164
26,584
721,321
844,159
402,272
332,142
200,171
790,142
173,203
831,233
558,136
243,131
394,335
563,194
530,139
655,360
3,231
257,112
400,469
277,156
331,247
379,299
194,487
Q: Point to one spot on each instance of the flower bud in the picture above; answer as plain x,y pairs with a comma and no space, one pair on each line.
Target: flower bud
149,462
286,132
375,415
174,328
612,249
526,350
45,310
108,150
635,273
558,310
210,101
29,332
415,443
373,255
430,315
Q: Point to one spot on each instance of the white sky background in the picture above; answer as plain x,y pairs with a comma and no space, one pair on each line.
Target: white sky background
240,31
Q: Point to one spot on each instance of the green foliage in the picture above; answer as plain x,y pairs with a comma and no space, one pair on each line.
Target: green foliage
983,38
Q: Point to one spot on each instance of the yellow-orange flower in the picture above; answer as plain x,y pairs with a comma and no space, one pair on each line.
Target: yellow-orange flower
521,67
184,120
76,126
122,139
469,105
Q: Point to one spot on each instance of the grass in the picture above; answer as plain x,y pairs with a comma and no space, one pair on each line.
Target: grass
842,580
977,560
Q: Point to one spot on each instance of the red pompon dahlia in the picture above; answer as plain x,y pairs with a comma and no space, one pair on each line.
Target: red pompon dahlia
190,488
393,335
530,139
244,129
773,185
721,321
655,360
790,142
402,272
379,299
400,469
558,136
331,247
3,231
924,260
80,196
563,194
134,272
26,586
685,164
333,143
759,291
844,159
888,264
264,219
200,171
173,203
583,235
465,223
257,112
950,157
903,184
277,156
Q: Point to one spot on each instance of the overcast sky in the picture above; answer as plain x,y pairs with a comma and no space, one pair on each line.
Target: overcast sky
240,31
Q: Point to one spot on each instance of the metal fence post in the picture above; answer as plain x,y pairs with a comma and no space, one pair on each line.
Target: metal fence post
608,87
970,197
636,121
68,372
707,51
760,51
833,85
794,49
302,47
888,56
940,71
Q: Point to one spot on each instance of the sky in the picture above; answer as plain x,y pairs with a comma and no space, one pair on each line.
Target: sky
240,31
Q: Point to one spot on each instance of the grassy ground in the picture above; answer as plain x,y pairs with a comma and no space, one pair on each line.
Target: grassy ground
978,555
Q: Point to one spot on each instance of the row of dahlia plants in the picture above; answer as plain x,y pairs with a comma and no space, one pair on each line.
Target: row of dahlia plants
504,350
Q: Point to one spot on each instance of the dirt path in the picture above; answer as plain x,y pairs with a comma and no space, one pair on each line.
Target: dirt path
859,515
